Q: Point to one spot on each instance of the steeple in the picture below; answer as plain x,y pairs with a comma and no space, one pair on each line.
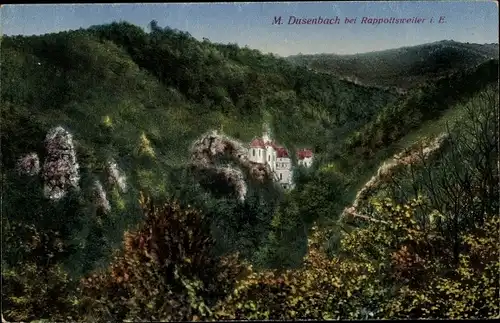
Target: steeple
265,137
265,133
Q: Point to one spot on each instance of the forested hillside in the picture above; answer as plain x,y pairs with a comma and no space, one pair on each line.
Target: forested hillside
404,67
140,99
125,196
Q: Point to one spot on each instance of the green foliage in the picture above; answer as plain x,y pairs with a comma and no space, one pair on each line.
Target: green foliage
421,104
141,98
415,259
404,67
431,286
241,227
286,241
166,271
394,270
244,83
322,289
37,285
31,292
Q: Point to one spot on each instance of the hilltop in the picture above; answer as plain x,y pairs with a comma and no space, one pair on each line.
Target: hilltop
404,67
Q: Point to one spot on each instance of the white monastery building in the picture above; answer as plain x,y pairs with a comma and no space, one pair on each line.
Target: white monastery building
264,150
305,157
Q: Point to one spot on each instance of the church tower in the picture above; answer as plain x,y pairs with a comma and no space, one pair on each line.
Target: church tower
266,135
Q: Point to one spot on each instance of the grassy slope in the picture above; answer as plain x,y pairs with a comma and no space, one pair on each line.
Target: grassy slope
415,118
403,67
420,105
428,129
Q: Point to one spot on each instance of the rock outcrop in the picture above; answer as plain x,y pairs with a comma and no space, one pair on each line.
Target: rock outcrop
207,150
60,169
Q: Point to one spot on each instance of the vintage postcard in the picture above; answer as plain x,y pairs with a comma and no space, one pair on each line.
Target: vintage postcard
241,161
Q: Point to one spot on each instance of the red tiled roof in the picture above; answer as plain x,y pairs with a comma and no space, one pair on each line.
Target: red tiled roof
272,144
304,153
257,143
281,152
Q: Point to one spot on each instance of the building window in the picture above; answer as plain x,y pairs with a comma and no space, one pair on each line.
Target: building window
259,152
268,158
281,177
253,152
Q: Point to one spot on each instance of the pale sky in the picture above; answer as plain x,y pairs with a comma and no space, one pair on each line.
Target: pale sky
251,23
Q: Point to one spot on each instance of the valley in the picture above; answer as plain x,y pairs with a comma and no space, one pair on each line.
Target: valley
149,175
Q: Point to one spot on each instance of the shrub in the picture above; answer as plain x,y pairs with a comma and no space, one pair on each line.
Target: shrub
165,272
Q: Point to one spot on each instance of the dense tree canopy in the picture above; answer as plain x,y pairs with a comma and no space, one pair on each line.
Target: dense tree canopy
105,218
